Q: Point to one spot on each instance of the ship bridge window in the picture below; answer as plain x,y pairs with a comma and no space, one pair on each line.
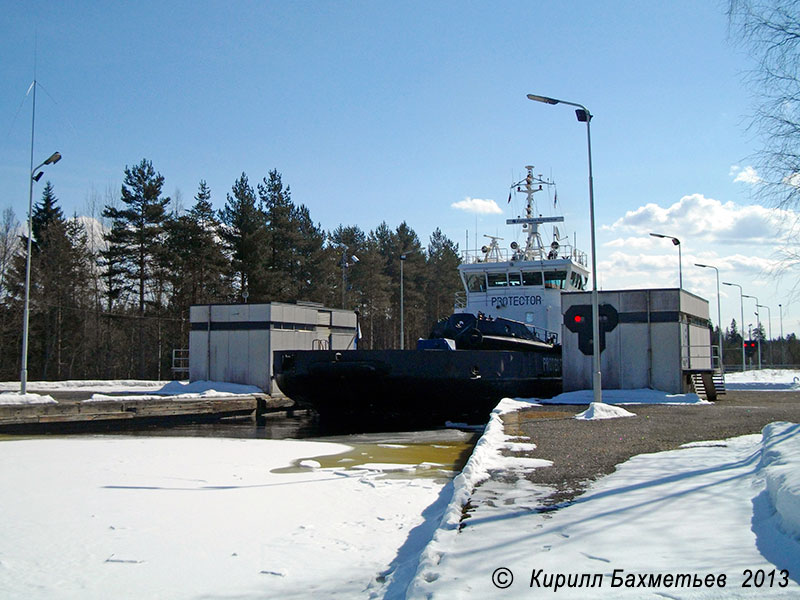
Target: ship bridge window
531,278
497,280
555,279
476,282
578,281
514,279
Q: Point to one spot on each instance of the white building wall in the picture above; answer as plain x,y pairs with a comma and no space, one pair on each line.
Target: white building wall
234,343
660,335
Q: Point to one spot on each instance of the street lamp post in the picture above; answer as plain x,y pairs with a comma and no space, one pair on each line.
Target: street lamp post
758,326
402,311
783,345
346,264
769,326
741,323
584,116
23,375
675,242
719,315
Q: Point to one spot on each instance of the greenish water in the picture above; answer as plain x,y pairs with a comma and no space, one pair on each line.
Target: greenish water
435,459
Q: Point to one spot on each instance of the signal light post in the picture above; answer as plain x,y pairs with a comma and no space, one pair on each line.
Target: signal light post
758,326
579,319
584,116
741,325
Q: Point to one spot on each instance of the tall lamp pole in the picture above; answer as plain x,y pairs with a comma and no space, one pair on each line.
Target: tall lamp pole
758,325
584,116
719,315
769,326
23,375
783,345
741,324
402,311
675,242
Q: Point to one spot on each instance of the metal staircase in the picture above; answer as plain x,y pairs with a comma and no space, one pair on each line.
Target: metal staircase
709,385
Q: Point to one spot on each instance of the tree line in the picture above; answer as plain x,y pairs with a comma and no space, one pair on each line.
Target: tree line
777,352
113,301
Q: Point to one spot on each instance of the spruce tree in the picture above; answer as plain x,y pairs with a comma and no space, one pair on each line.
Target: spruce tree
244,237
441,276
60,274
197,265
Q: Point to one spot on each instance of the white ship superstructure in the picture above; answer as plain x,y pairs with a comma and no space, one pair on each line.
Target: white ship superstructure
524,283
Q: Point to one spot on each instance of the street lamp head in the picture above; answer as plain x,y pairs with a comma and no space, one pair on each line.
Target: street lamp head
38,176
544,99
704,266
584,116
675,241
54,158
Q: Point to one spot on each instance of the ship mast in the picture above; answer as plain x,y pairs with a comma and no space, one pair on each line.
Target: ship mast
534,248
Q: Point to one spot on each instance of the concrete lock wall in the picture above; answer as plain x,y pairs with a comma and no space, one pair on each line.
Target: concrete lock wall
234,342
662,334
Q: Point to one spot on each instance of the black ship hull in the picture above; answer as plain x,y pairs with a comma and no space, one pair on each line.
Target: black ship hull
421,385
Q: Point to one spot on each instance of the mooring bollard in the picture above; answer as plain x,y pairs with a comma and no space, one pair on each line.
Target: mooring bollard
260,413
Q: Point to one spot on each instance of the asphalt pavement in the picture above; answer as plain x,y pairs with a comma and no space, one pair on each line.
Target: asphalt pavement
582,451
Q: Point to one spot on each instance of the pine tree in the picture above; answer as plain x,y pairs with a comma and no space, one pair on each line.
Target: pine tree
294,252
136,241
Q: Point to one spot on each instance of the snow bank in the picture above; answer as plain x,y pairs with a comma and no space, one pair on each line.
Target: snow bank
485,458
80,385
148,390
780,465
17,398
206,387
640,396
602,411
178,390
773,380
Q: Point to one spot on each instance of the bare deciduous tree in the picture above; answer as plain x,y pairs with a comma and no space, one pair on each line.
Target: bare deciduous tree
770,30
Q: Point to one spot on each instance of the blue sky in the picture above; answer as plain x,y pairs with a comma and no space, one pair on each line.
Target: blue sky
379,111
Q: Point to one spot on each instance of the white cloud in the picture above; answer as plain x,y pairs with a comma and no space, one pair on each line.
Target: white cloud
476,205
792,180
746,175
709,220
627,270
95,230
631,243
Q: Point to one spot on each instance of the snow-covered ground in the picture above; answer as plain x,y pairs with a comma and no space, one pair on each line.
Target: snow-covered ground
773,380
722,513
116,517
99,516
